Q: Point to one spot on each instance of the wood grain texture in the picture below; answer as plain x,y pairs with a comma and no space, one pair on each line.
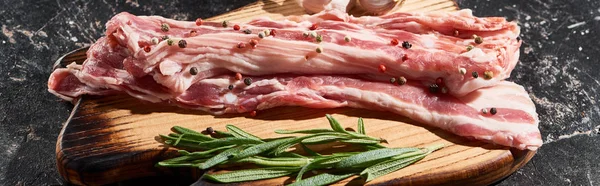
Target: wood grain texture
114,138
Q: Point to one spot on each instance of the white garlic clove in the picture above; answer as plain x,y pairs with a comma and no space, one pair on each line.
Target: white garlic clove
378,7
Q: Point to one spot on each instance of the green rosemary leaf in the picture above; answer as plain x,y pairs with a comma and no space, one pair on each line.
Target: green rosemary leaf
195,137
251,174
311,131
308,150
291,155
223,134
361,126
361,141
273,162
275,147
323,139
237,132
368,158
273,139
195,155
228,141
263,147
283,147
320,163
221,157
179,164
174,137
322,179
184,143
389,166
335,125
183,130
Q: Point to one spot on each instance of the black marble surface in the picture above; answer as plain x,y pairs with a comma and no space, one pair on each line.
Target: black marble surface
559,67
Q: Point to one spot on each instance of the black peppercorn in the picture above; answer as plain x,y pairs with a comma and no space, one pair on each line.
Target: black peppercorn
406,44
210,130
182,43
475,74
193,71
247,81
493,111
230,87
434,88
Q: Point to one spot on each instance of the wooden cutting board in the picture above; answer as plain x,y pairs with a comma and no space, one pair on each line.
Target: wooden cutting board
114,138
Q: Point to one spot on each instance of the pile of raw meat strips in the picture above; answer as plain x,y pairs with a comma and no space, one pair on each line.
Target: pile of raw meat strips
442,69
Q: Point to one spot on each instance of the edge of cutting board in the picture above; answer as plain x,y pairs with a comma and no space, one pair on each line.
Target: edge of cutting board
96,147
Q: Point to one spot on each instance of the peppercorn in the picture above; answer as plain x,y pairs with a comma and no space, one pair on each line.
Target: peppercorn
273,32
434,88
406,44
313,26
462,71
478,39
230,87
247,81
182,43
488,75
518,38
475,74
198,22
253,43
154,40
404,57
394,42
319,38
193,71
164,27
193,33
347,38
392,80
241,45
319,49
444,90
253,113
493,111
147,49
261,35
247,31
401,80
484,111
236,27
170,42
305,34
238,76
224,24
439,81
210,130
382,68
165,37
470,47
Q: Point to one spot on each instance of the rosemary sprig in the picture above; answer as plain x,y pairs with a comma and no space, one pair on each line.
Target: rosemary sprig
237,146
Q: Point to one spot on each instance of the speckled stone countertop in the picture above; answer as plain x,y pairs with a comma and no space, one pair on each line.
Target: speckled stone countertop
559,67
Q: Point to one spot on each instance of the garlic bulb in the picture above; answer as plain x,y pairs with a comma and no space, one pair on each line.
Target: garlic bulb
378,7
314,6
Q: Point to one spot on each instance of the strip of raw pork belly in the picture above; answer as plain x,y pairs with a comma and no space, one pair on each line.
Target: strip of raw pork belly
514,124
439,47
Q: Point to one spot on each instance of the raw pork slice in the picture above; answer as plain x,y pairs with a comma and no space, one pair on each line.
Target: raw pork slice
436,47
514,124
